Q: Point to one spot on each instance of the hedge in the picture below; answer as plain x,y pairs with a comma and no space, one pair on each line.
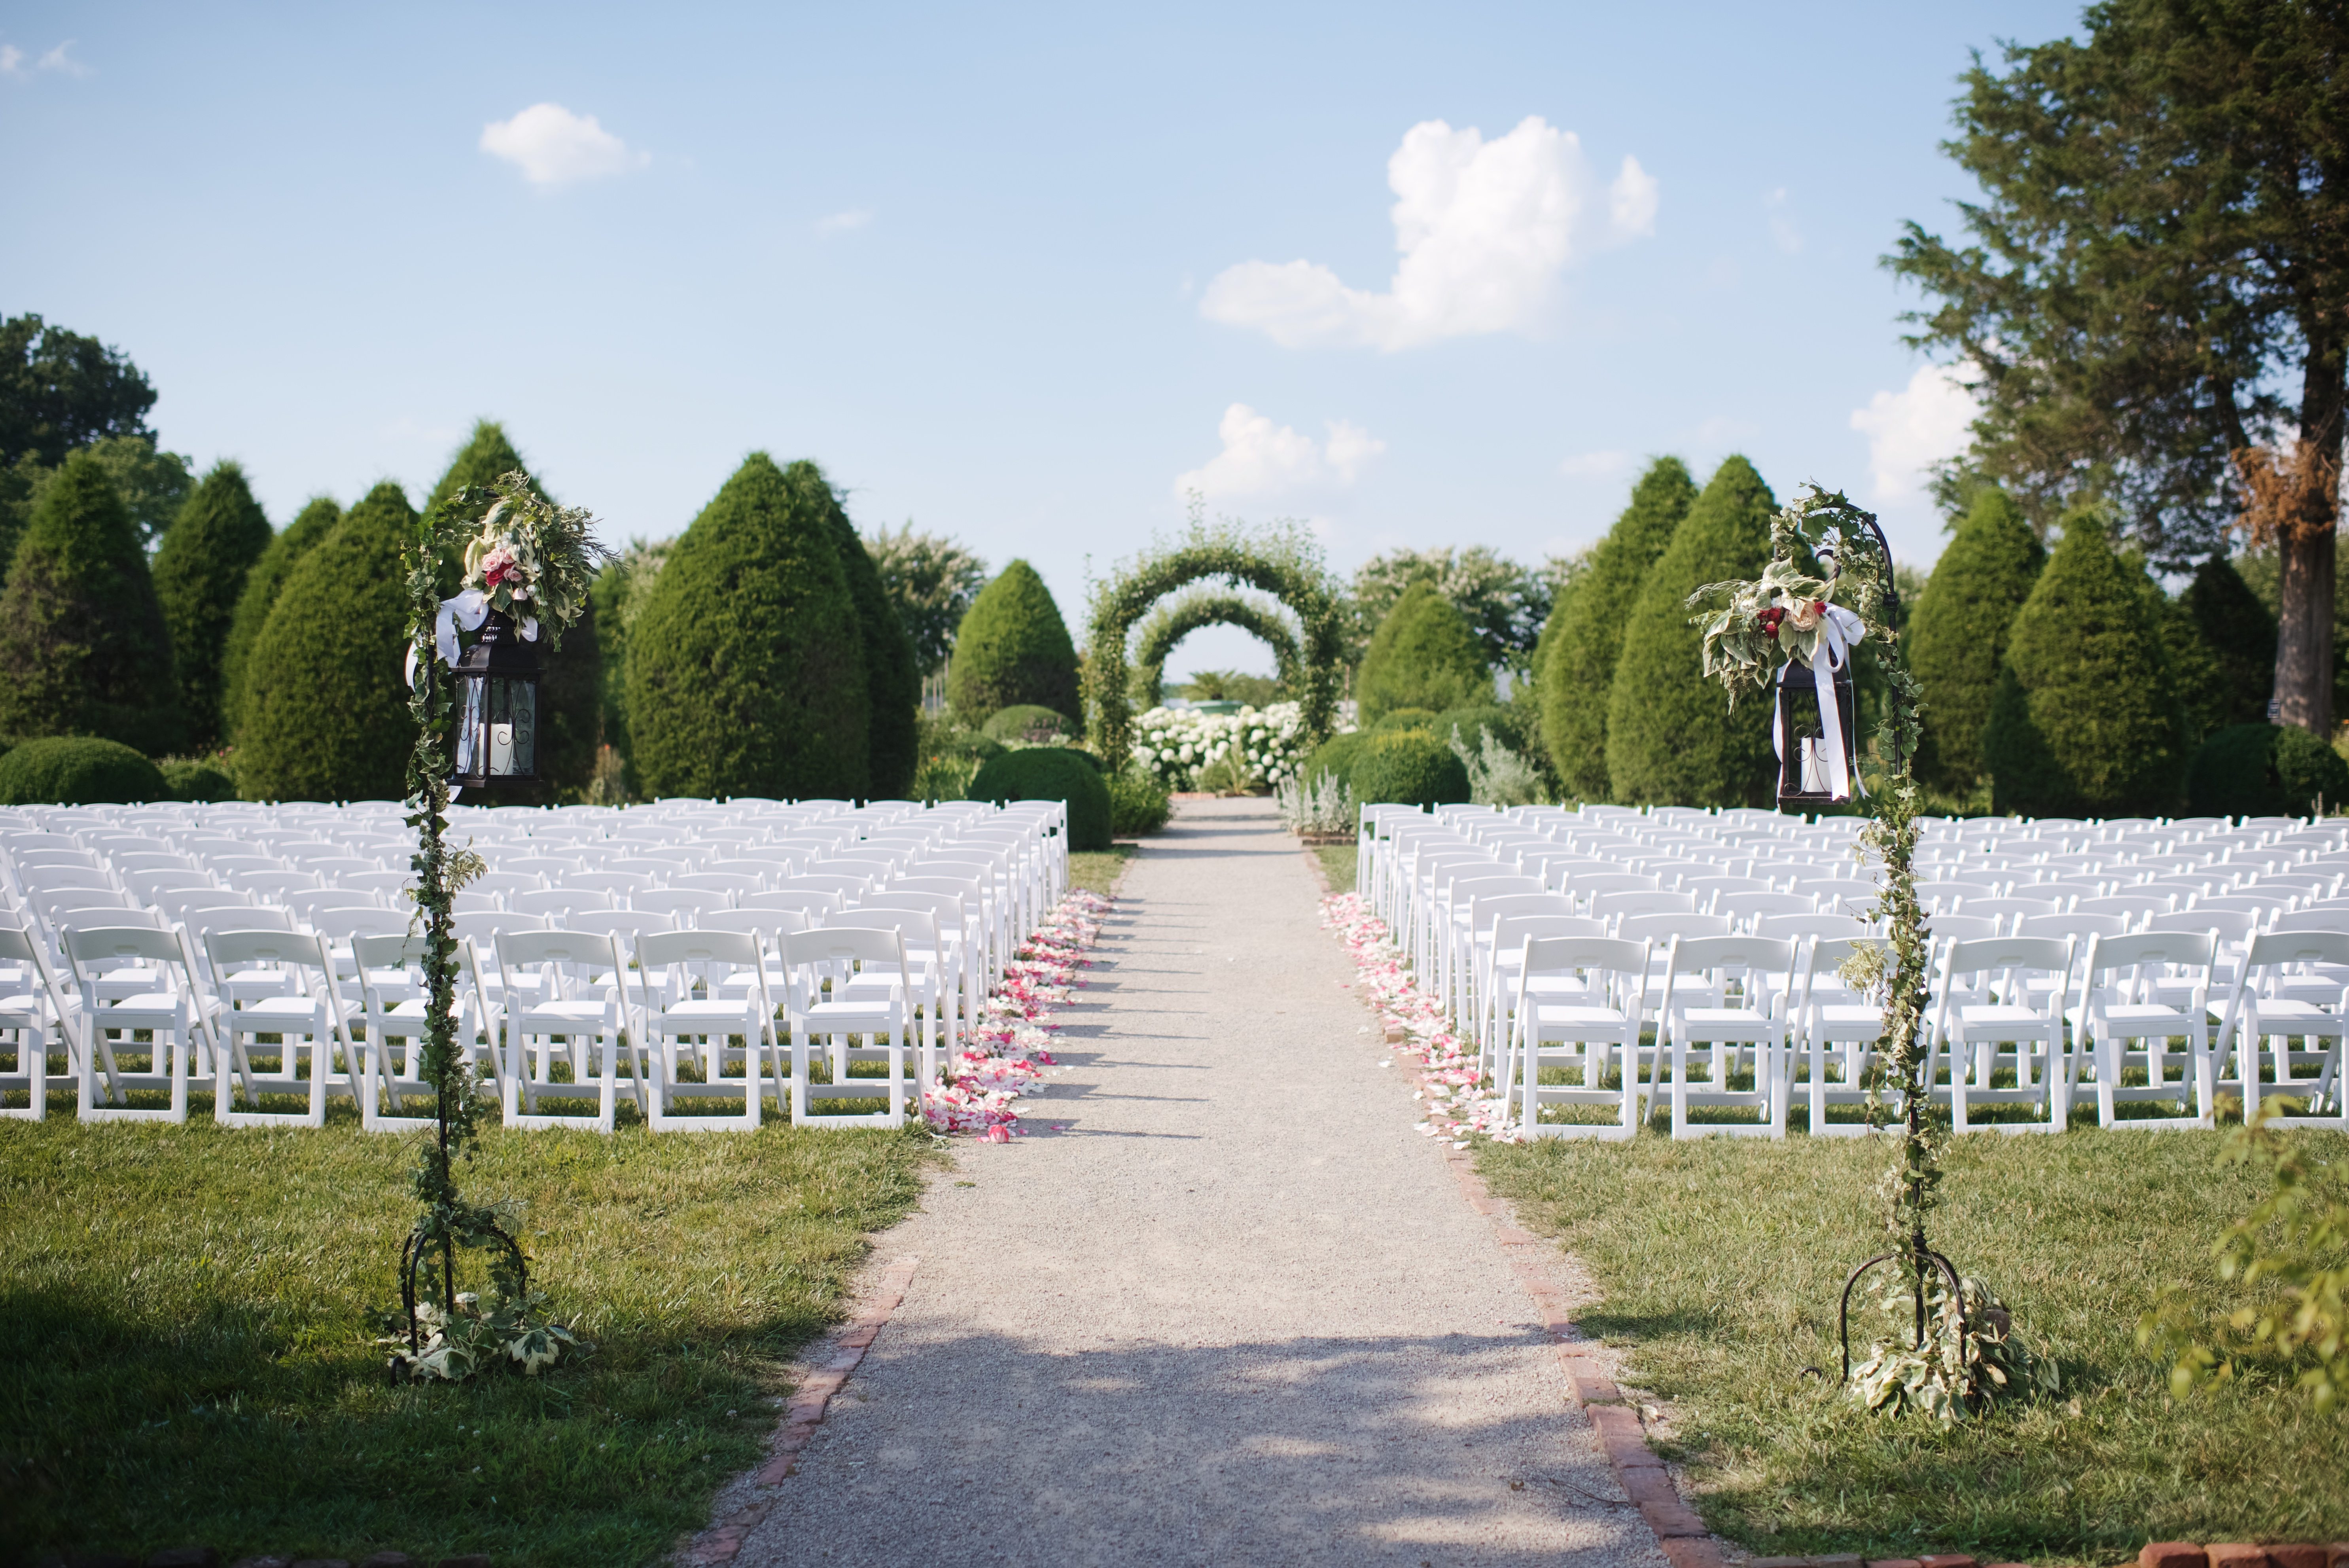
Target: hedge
1021,719
1335,755
746,666
324,710
1957,634
197,779
1579,674
83,649
893,676
78,770
2265,769
2085,722
1408,767
1424,655
2222,643
1138,804
1052,773
1672,737
199,573
1406,719
263,583
1013,648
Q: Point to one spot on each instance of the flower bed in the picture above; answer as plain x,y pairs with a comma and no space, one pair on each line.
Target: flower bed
1005,1054
1457,1105
1176,743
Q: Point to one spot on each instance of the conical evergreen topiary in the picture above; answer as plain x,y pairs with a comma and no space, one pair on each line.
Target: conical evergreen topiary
893,680
2085,721
1579,676
1012,647
263,583
2222,642
1672,738
746,666
83,649
570,698
1424,655
1957,633
199,572
324,705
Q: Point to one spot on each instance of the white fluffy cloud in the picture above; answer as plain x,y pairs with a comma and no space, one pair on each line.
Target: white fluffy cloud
1261,458
552,146
1910,430
845,222
1484,229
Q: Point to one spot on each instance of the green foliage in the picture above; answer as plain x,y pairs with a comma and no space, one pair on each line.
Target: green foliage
1336,756
951,754
1424,656
1586,634
78,770
200,574
60,391
1408,767
1022,720
1013,649
1406,719
1052,773
1231,686
1504,605
2222,643
1673,736
1138,803
83,649
1958,629
2264,770
1498,774
1505,720
932,580
746,665
2085,721
1172,620
323,714
893,676
153,486
621,591
263,583
198,779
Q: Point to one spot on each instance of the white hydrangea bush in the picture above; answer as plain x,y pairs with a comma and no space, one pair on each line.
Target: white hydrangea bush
1176,743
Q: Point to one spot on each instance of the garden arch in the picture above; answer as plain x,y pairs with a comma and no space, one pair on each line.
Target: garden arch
1172,622
1281,560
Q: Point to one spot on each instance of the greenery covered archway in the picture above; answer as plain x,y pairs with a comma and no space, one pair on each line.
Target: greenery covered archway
1280,559
1177,618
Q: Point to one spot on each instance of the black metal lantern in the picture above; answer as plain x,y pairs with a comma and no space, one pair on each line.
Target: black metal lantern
1806,773
496,709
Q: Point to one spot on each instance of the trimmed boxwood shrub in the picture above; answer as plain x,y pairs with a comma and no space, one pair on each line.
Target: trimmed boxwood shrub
1406,719
1336,755
200,572
1408,767
1138,804
2264,770
1672,737
1957,633
1506,724
197,779
893,677
263,583
83,651
1424,655
1017,720
78,770
746,666
2222,644
1052,773
326,694
1013,648
2085,723
1585,636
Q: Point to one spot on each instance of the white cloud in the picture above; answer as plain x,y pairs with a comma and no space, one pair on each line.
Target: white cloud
57,59
843,222
1261,458
552,146
1596,465
1484,229
1782,232
1910,430
12,60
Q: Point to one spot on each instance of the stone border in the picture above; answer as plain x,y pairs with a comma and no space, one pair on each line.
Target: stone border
724,1539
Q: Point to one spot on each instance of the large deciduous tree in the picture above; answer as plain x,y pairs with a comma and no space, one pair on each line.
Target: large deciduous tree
2156,293
60,391
932,580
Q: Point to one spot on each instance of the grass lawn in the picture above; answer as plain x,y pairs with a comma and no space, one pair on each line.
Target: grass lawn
1098,870
1719,1263
186,1336
1338,865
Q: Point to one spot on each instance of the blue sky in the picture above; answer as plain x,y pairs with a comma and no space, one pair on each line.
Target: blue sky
1020,277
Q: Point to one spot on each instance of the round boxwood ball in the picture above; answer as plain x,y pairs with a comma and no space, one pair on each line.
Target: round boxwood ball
1409,767
1024,719
78,770
2264,770
1052,773
1335,755
1406,719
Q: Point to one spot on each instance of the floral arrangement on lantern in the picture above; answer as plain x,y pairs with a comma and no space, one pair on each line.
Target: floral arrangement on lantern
1750,628
530,559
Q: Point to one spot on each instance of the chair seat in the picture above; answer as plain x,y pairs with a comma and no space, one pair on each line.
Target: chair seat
1873,1017
270,1011
563,1017
1609,1017
2136,1013
148,1010
849,1018
1993,1015
704,1017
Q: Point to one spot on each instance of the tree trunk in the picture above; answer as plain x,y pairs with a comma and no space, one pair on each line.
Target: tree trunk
2303,671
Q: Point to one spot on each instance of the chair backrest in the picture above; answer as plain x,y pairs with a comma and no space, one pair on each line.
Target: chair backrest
1756,955
718,882
1611,955
1821,927
1662,928
1961,927
371,951
740,949
2133,904
919,928
2297,946
237,918
2189,949
2079,927
805,902
592,949
96,947
228,949
842,944
634,923
1829,954
608,881
766,925
1740,905
842,887
2008,908
342,925
2231,925
1642,901
1511,932
557,902
1979,957
672,902
2311,920
1579,886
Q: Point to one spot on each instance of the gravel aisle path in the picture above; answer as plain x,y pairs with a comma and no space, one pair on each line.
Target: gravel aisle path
1233,1311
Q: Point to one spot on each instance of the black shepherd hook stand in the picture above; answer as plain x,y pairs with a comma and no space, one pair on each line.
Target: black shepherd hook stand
1949,1272
411,1257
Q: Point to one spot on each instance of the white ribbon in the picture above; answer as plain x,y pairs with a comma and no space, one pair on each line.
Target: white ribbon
468,609
1840,631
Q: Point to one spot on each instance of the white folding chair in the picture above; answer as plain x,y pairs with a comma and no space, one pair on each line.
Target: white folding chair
1763,968
715,1021
1990,1019
2260,1008
307,1016
175,1012
572,1021
827,1011
1834,1026
33,1009
2119,1004
1583,1036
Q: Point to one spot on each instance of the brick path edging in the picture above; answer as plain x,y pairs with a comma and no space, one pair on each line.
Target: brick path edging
723,1539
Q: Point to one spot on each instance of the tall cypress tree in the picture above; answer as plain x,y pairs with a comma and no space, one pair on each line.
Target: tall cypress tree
324,713
1424,655
1580,673
893,680
746,666
263,583
2222,642
199,573
83,648
2085,721
1013,647
1672,737
1957,634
